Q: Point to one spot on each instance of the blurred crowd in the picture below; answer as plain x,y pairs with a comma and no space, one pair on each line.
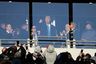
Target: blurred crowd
20,54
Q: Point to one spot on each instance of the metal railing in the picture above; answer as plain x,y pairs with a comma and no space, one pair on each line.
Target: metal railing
28,40
62,40
59,40
83,44
32,41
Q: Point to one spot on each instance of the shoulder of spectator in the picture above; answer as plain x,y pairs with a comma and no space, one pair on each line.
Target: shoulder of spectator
29,53
34,55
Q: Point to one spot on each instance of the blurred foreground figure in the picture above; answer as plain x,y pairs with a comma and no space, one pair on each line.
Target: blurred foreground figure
50,55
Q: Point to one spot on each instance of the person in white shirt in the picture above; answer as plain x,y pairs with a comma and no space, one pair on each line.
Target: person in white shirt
9,31
34,34
66,31
9,28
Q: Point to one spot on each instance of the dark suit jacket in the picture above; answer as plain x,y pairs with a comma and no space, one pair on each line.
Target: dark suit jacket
2,33
44,30
8,35
23,34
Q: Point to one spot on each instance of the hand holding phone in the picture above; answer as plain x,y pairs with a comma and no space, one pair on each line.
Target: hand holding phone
26,47
81,50
17,43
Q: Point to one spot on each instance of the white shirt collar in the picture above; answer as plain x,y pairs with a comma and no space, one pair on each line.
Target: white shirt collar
47,23
7,31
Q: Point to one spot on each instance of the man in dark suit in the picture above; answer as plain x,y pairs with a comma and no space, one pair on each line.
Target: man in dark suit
75,32
9,31
46,28
89,34
2,30
23,32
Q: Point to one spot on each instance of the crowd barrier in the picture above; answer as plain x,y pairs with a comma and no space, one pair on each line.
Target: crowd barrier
46,40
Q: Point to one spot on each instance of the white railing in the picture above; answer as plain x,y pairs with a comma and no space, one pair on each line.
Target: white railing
28,40
32,41
58,38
